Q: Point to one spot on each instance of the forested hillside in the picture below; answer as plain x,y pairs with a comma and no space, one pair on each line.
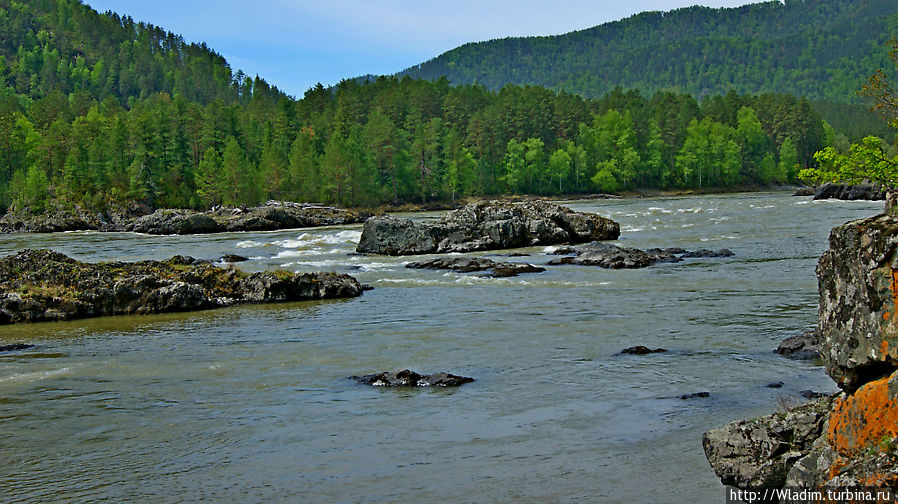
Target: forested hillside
98,111
821,49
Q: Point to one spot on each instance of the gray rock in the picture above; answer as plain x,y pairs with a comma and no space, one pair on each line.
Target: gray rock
176,222
857,310
606,255
800,347
470,264
486,225
406,378
759,453
393,236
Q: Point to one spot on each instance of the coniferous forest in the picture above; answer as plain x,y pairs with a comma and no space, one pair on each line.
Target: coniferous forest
98,110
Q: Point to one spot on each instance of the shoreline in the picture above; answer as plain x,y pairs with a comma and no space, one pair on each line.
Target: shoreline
278,215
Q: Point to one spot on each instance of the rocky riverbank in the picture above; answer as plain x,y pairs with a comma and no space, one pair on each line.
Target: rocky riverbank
844,192
850,440
486,225
269,217
42,285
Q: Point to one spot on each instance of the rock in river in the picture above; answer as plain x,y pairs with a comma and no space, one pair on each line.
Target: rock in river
610,256
800,347
641,350
469,264
485,225
274,215
406,378
42,285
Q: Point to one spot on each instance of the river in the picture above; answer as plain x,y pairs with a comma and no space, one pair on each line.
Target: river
252,404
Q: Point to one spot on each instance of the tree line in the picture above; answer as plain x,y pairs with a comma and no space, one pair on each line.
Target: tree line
390,141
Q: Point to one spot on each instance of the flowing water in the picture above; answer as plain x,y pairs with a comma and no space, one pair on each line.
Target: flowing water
252,404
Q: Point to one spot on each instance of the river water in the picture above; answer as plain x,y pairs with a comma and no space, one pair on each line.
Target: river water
252,404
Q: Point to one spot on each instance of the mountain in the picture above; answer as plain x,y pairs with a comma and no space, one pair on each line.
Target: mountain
49,47
821,49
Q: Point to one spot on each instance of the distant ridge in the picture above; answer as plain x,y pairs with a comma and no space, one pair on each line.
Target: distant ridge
821,49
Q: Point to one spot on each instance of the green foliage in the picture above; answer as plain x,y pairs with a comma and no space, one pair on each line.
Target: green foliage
872,160
96,109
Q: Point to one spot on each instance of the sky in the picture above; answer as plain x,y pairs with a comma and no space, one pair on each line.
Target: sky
295,44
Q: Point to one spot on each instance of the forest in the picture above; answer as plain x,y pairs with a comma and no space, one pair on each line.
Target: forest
821,49
98,111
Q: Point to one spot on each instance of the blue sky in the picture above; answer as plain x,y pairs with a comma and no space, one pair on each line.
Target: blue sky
295,44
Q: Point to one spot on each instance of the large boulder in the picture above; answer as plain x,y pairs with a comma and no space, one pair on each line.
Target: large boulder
486,225
41,285
176,222
857,311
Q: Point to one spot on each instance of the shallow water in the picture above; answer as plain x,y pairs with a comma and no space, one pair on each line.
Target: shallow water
252,404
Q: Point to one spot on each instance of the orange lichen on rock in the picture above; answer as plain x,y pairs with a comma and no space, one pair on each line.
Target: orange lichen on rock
864,419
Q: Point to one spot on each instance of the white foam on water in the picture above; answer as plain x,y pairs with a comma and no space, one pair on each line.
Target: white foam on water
377,266
341,237
249,244
550,249
286,254
34,376
632,229
300,241
691,210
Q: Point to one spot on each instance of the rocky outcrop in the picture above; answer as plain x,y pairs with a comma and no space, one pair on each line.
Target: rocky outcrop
610,256
42,285
759,453
485,225
406,378
858,307
849,192
471,264
854,442
272,216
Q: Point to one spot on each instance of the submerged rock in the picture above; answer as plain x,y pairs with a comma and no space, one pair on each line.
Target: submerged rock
641,350
695,395
233,258
800,347
469,264
406,378
485,225
15,347
42,285
610,256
